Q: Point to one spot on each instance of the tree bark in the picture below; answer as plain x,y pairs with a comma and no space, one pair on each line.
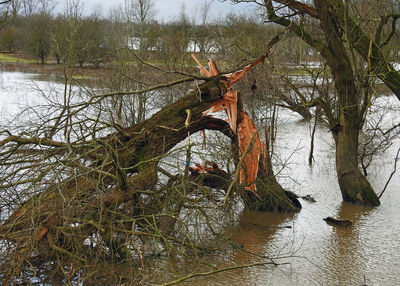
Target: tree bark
354,186
270,194
367,48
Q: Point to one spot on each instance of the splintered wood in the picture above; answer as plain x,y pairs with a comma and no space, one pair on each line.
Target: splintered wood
241,125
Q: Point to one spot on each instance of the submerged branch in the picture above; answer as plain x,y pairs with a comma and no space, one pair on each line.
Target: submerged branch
182,279
391,175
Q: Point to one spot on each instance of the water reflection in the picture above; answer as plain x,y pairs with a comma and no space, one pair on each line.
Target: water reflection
252,235
343,260
256,229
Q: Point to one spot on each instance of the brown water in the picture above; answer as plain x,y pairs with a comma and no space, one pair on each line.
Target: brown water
311,251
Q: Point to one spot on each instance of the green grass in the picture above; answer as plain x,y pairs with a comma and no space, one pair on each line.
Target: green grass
9,59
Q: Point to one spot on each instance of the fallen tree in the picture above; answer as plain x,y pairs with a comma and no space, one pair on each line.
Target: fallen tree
101,197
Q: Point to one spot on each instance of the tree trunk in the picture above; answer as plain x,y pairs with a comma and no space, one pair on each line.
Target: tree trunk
368,49
270,197
354,186
270,194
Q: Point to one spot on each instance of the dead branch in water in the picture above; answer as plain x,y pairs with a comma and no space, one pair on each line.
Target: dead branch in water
99,195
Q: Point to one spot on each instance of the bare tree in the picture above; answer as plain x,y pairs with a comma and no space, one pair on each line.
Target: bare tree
8,8
140,11
29,7
205,11
337,27
38,36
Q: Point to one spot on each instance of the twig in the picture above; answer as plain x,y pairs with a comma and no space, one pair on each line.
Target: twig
311,154
33,140
215,272
391,129
145,90
62,251
187,123
391,175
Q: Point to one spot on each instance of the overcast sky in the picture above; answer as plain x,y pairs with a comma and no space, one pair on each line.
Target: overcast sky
167,10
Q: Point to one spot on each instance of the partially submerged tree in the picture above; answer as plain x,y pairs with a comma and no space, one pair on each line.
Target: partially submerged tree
254,162
339,39
99,193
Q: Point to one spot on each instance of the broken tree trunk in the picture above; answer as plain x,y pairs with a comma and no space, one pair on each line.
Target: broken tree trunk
247,146
109,194
123,165
270,194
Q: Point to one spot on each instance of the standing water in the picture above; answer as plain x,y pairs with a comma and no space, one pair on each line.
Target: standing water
307,249
310,251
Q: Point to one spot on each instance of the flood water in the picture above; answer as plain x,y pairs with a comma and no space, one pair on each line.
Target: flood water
310,252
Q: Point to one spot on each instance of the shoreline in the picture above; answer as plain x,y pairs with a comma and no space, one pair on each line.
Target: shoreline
89,76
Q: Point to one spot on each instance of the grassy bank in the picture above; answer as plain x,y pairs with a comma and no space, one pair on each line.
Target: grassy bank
10,58
19,63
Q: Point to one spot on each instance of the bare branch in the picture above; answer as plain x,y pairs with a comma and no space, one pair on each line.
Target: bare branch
391,175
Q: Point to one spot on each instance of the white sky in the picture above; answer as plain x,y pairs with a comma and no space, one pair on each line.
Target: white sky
167,10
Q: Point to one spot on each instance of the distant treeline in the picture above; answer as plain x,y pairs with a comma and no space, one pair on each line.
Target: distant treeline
74,39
